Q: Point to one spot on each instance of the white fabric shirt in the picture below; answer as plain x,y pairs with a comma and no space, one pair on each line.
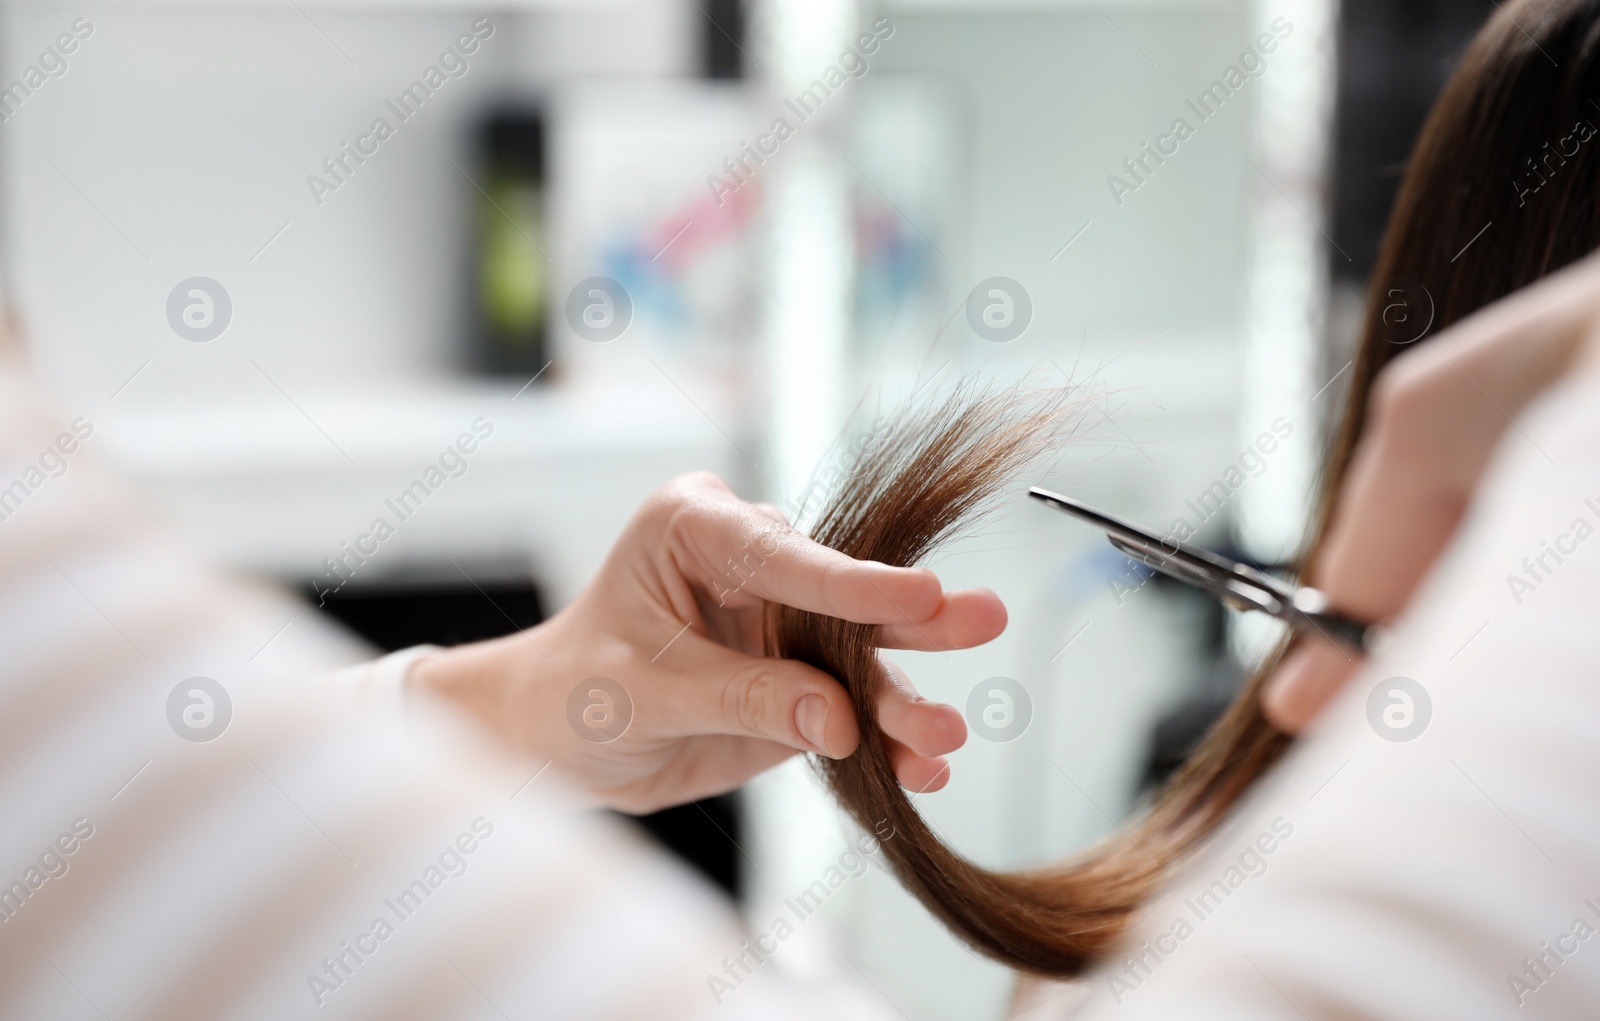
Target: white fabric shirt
325,854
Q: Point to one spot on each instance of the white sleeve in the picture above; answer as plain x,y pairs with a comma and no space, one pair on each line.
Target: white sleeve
1433,849
198,821
381,683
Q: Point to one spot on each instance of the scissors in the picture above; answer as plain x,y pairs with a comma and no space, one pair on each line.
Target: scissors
1237,585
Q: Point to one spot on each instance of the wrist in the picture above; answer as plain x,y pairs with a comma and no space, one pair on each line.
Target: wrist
500,682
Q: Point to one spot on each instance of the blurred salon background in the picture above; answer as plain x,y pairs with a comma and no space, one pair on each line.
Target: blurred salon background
581,237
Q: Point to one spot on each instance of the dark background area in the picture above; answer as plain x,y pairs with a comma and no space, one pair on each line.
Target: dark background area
1394,56
722,38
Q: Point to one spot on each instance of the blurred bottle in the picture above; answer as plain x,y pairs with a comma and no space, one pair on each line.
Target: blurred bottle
512,273
722,35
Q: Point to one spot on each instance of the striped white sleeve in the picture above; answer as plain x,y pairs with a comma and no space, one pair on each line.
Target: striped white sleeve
381,682
199,821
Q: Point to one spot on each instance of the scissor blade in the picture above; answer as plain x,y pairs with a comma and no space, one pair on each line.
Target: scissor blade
1238,585
1239,594
1202,561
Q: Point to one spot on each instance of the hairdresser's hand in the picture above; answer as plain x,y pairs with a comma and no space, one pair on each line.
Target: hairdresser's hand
1437,414
675,619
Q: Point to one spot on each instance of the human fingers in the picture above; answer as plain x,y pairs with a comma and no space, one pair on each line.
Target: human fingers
716,690
1308,677
926,729
1436,417
916,773
965,618
1397,511
1395,515
729,543
772,511
700,769
917,733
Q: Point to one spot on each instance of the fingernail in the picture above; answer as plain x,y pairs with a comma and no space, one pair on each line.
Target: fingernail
811,720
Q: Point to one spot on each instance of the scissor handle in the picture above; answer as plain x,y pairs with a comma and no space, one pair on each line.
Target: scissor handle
1311,605
1306,610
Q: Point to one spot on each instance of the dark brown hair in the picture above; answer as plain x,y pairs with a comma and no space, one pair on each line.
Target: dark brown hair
1512,144
1500,147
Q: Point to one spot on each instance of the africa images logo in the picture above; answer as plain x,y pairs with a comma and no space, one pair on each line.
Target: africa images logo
999,709
199,709
1399,709
199,309
599,710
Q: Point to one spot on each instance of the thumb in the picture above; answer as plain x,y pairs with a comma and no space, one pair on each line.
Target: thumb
1306,681
724,691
